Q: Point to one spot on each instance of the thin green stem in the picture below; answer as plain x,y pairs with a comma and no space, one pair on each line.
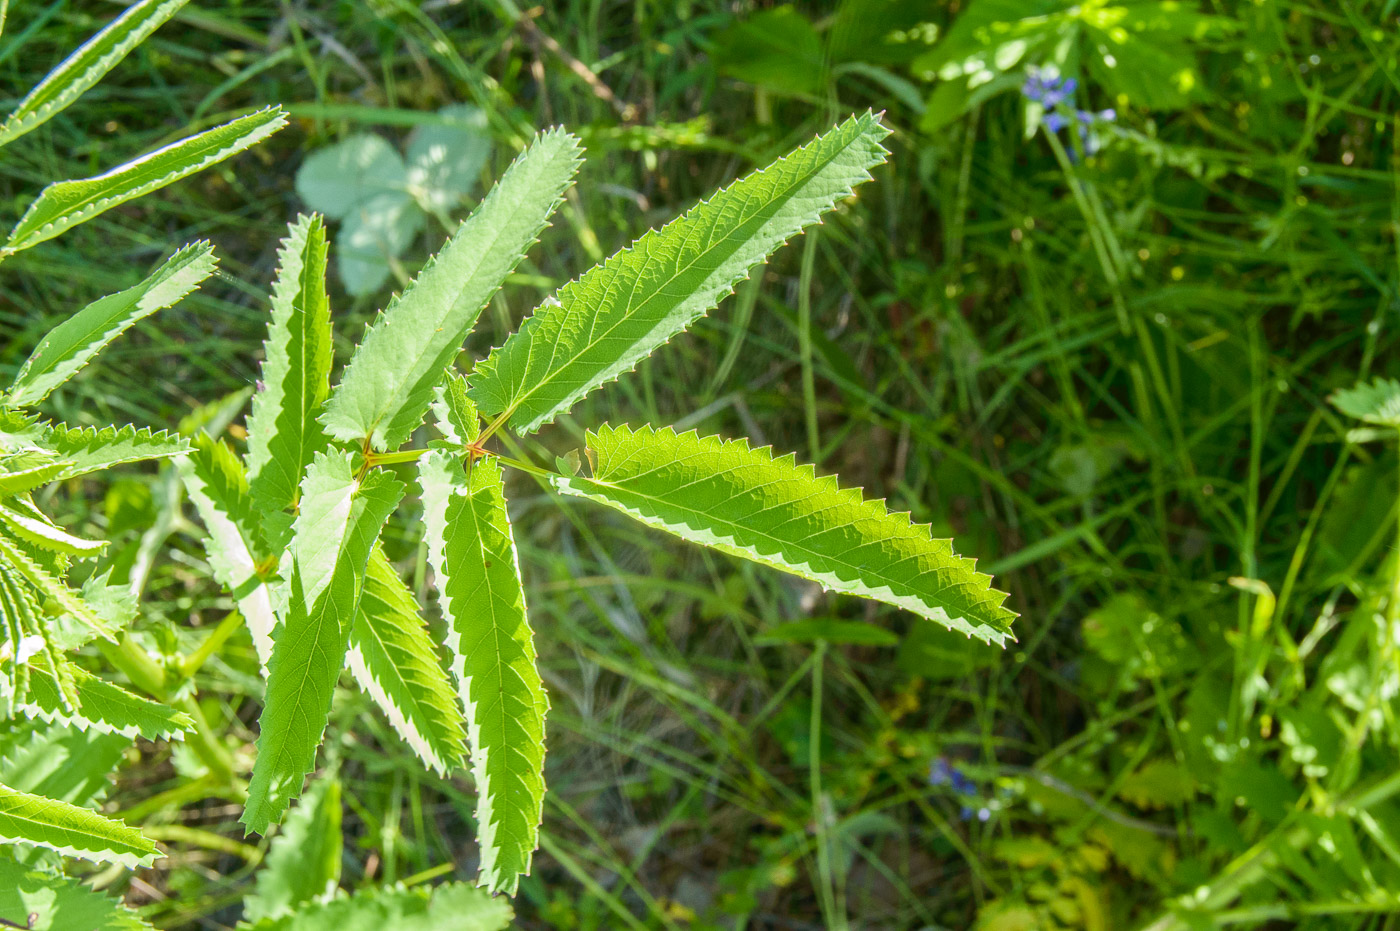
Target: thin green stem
835,918
804,343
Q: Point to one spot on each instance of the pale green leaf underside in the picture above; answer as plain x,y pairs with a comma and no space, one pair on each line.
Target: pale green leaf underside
70,830
477,574
100,705
65,204
62,904
452,907
389,382
72,344
1377,402
617,313
283,433
393,658
216,485
86,66
22,480
304,859
340,518
40,532
744,502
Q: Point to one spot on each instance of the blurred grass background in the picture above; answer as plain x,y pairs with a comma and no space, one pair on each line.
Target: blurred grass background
1098,359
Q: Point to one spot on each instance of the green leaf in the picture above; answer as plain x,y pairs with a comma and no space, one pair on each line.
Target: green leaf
72,344
216,484
389,382
339,519
373,234
60,762
283,433
452,907
61,904
744,502
86,66
70,830
46,536
454,411
88,449
445,158
12,553
303,862
477,574
100,705
1377,402
617,313
393,658
22,480
65,204
338,178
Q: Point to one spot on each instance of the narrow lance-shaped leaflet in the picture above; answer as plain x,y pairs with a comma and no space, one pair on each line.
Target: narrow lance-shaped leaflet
339,519
745,502
283,433
477,573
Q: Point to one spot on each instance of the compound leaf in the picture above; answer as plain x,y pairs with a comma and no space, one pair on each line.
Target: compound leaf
283,433
65,204
451,907
62,903
477,574
339,519
86,66
602,324
98,704
72,344
70,830
744,502
389,382
216,484
303,862
393,658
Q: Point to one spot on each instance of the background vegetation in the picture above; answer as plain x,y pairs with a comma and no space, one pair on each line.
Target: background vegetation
1095,349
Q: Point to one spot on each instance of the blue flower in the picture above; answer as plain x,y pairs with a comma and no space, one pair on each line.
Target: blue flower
1056,94
943,773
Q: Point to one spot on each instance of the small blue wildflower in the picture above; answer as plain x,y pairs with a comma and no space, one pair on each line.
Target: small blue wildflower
943,773
1054,93
981,814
